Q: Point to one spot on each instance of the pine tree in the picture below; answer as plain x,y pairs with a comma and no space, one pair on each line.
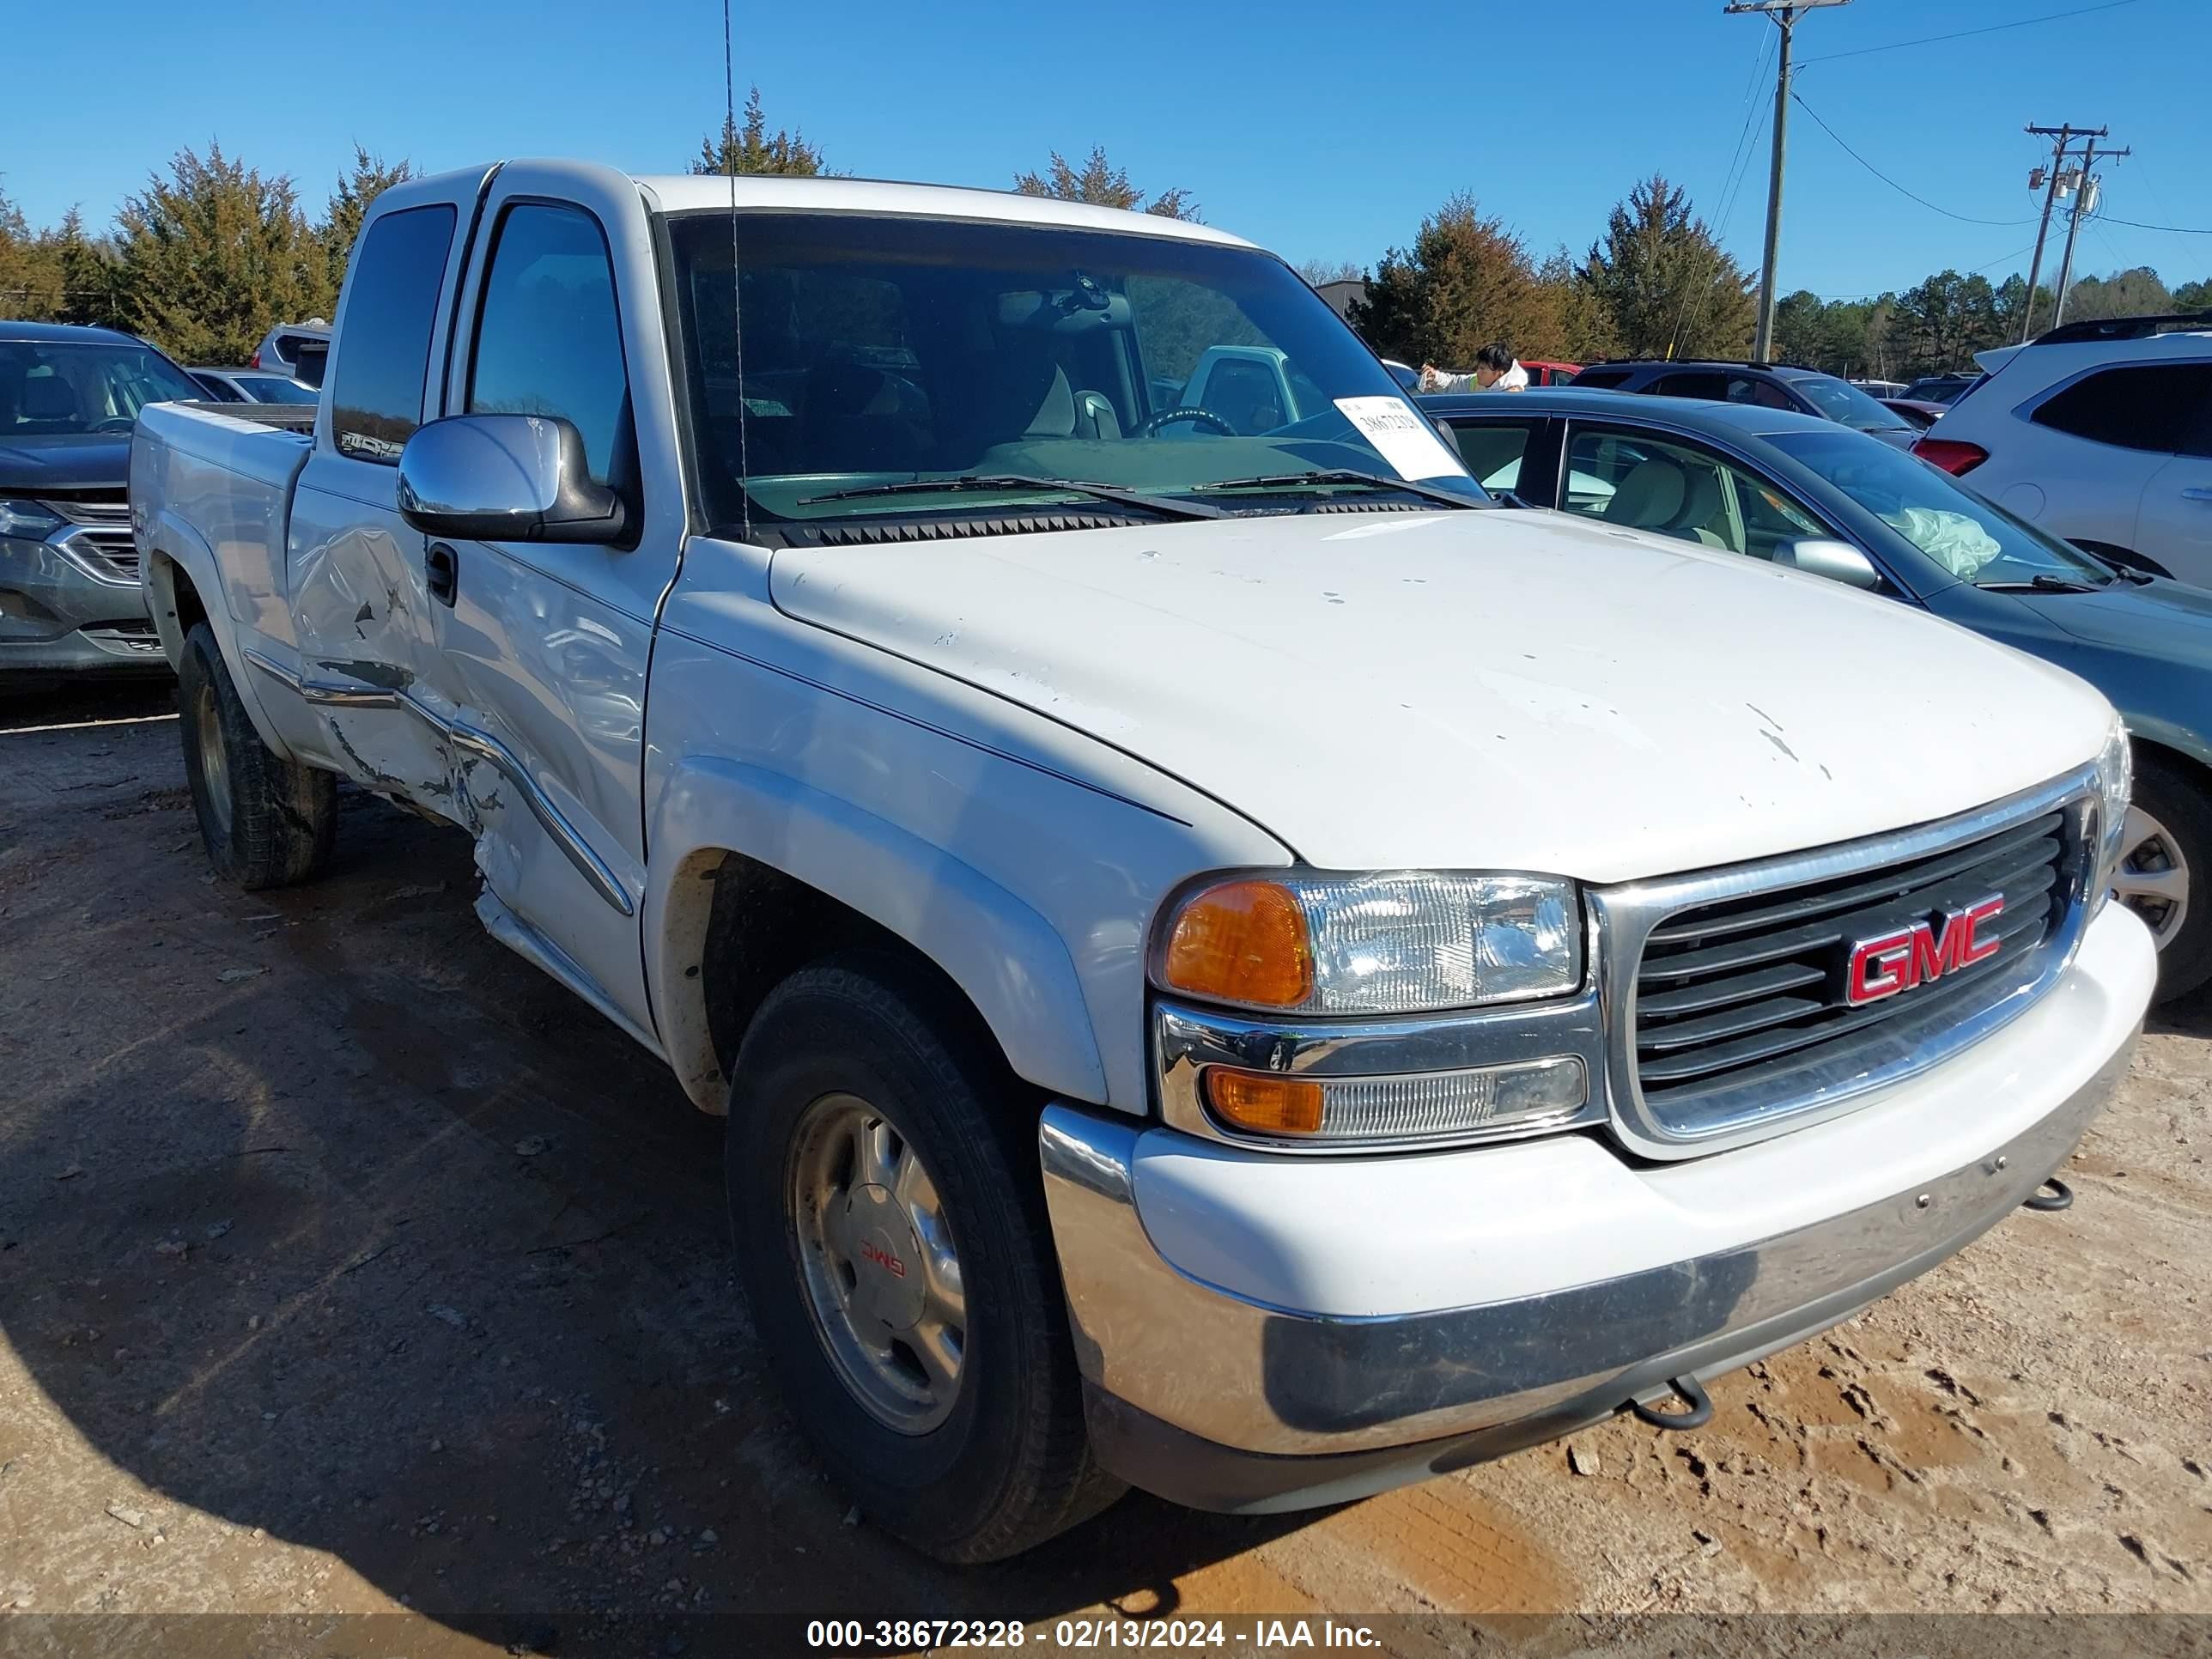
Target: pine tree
1466,282
1102,183
214,254
30,280
370,178
1667,288
750,149
91,271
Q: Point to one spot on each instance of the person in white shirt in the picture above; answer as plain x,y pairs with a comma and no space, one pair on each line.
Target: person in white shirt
1496,369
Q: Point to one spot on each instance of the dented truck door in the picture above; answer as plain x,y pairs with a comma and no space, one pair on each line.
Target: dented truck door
355,571
541,649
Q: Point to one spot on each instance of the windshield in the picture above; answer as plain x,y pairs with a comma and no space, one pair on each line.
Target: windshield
49,388
1839,400
1973,539
882,351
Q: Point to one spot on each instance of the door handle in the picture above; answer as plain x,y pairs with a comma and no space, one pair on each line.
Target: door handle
2197,495
441,573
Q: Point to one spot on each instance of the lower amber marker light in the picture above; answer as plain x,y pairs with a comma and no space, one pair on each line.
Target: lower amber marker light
1422,1106
1264,1103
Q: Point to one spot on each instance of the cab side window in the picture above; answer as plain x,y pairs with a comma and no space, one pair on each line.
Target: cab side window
548,337
1493,450
1641,481
376,398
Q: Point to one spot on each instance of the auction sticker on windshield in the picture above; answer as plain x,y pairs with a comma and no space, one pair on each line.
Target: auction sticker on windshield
1405,440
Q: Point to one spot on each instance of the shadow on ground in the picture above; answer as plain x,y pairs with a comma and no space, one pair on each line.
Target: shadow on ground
323,1214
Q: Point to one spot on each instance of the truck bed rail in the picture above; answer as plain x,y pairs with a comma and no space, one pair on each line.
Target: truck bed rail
285,417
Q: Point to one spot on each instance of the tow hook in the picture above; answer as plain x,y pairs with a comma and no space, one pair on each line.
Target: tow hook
2053,1195
1698,1403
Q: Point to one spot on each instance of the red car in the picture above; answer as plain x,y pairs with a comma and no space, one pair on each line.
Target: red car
1541,372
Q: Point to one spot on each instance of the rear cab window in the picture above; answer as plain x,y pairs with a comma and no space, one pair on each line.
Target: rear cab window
376,396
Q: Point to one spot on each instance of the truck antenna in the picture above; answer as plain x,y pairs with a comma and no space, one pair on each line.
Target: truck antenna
737,287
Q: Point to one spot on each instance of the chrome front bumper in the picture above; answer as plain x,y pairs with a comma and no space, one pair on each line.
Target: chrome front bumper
1221,1400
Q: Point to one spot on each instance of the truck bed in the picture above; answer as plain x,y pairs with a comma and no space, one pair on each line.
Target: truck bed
177,445
213,482
286,418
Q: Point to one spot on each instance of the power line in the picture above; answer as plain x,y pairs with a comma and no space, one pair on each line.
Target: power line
1992,28
2000,259
1739,167
1784,14
1877,292
1964,219
2158,201
2137,224
1740,160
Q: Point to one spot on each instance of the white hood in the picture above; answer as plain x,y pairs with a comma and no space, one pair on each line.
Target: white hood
1475,689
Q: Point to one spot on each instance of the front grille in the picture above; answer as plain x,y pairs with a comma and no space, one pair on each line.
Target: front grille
137,637
90,506
1739,1004
117,546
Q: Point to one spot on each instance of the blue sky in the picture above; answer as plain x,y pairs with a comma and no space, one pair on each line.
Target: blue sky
1323,131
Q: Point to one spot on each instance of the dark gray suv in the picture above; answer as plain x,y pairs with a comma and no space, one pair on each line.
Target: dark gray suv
69,597
1765,386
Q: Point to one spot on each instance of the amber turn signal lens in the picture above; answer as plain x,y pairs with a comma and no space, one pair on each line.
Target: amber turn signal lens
1265,1104
1243,941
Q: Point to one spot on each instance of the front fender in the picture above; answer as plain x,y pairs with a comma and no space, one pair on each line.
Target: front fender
1008,960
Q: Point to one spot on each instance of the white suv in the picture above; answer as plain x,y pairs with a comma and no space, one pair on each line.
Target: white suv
2100,432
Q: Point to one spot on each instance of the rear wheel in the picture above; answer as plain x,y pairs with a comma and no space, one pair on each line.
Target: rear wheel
266,822
892,1238
2166,847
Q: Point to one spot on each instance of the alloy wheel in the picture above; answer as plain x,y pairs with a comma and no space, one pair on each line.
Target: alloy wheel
2153,877
876,1261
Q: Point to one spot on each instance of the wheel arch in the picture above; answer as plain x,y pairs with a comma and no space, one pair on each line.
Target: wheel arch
765,874
2177,745
183,581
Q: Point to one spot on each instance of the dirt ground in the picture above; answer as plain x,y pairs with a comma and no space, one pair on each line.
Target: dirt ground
347,1264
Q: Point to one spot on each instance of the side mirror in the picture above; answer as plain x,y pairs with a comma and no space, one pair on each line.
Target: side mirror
505,479
1839,561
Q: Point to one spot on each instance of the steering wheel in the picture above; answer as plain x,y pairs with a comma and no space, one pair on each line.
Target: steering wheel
1150,427
113,423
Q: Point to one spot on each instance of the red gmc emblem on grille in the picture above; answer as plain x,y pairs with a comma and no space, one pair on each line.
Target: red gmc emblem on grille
1897,962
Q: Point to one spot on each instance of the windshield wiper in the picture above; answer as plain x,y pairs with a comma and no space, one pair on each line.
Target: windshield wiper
2043,582
1005,481
1342,475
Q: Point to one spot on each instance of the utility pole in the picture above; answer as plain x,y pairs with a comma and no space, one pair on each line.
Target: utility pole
1784,14
2083,193
2064,136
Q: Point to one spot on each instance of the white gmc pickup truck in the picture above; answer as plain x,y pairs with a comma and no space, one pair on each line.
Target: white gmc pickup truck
1233,962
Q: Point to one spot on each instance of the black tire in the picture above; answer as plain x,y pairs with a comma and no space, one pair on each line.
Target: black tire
2177,799
266,822
1011,1465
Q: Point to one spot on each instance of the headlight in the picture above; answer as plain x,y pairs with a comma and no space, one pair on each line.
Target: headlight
2115,781
19,518
1391,944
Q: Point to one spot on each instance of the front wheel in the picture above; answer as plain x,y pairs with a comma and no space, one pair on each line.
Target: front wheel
2167,846
267,822
892,1238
